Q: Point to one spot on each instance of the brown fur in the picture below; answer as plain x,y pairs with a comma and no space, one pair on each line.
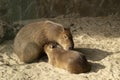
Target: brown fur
29,41
72,61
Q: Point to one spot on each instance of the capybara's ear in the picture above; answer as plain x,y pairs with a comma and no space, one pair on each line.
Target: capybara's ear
66,29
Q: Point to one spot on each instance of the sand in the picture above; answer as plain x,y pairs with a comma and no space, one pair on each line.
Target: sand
98,38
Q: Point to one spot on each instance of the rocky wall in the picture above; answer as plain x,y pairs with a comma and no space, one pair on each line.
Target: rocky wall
13,10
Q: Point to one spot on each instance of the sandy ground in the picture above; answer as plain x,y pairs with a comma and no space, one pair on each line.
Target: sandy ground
98,38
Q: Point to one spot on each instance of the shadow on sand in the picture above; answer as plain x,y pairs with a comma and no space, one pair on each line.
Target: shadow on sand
94,55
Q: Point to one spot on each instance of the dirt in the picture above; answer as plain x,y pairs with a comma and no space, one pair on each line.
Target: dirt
97,37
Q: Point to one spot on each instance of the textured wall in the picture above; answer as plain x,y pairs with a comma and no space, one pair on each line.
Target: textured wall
32,9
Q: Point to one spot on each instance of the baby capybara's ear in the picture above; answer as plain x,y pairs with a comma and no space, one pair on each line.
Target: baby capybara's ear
53,45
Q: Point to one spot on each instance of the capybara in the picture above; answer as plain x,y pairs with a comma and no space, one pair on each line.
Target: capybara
70,60
30,40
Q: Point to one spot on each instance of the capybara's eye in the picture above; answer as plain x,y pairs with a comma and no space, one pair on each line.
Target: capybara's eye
65,37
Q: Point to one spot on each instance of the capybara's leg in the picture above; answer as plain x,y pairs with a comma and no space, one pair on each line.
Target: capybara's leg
31,53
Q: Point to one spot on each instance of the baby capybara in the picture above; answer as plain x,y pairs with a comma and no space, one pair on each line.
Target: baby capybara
30,40
72,61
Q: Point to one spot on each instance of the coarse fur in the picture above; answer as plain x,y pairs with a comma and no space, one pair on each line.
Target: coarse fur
30,40
70,60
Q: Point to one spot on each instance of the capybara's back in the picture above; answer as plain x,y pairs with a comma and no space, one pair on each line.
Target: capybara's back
29,41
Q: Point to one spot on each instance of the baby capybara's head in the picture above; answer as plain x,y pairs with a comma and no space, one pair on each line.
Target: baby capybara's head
66,39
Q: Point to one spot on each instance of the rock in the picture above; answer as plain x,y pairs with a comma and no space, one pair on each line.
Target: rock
8,30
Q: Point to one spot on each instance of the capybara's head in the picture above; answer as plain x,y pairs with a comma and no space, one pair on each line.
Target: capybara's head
65,39
60,34
72,61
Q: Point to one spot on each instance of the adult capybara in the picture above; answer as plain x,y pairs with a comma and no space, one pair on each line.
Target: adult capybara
72,61
30,40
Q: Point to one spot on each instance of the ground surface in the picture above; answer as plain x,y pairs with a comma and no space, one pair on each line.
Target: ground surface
98,38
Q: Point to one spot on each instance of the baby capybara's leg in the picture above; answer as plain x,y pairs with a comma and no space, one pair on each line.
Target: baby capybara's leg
31,53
